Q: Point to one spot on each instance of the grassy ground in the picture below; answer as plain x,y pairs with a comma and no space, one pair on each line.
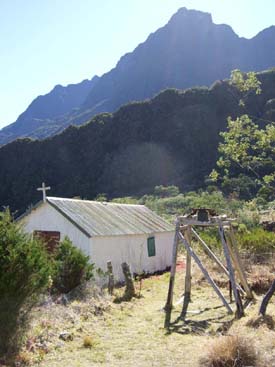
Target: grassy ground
132,333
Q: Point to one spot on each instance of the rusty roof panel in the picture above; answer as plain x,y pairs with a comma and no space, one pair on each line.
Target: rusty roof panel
109,219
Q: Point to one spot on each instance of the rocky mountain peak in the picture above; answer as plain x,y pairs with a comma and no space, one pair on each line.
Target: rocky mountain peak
186,16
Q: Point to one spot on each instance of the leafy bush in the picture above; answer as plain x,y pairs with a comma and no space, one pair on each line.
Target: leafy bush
24,274
125,200
183,203
212,238
168,202
249,214
245,187
101,197
72,267
257,240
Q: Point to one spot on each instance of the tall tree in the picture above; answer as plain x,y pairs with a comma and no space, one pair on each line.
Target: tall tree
246,162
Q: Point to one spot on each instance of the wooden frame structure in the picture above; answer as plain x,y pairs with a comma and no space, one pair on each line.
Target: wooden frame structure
184,232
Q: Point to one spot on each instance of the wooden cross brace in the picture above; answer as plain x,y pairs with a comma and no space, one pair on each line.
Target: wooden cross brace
231,256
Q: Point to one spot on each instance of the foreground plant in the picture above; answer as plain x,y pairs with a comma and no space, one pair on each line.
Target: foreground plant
229,351
24,274
72,267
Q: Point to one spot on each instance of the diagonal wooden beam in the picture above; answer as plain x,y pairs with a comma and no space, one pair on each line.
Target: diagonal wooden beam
205,272
210,253
214,257
237,297
238,264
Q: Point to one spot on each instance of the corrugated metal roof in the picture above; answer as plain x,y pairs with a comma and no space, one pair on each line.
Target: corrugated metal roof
108,219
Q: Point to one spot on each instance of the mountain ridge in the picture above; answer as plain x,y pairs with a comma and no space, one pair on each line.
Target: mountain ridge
190,50
170,139
63,99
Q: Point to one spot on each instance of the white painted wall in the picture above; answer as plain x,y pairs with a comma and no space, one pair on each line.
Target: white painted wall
46,218
133,250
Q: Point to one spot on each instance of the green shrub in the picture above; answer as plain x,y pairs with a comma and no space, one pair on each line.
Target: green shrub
125,200
24,274
212,238
249,214
245,187
257,240
72,267
183,203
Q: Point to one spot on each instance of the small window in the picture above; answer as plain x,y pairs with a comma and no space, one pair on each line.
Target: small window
151,246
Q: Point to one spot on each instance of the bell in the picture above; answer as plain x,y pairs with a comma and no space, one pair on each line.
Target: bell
202,215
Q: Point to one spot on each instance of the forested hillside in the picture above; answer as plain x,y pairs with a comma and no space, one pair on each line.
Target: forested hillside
171,139
190,50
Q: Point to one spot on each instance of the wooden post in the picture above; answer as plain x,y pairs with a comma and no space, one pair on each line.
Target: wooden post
205,273
169,302
130,287
188,277
238,264
237,297
266,299
230,291
111,278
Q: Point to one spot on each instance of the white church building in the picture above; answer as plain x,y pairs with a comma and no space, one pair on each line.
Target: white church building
105,231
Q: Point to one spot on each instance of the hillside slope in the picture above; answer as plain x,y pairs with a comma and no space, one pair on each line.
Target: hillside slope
171,139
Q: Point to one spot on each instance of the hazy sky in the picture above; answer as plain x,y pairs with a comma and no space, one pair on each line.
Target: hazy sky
49,42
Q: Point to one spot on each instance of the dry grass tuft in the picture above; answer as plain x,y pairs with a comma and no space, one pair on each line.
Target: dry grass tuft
89,342
260,278
258,321
23,359
229,351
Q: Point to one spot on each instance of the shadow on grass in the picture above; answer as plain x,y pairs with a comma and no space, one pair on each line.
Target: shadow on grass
187,326
126,298
258,321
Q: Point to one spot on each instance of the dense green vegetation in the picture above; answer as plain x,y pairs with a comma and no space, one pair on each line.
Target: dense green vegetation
246,153
246,164
71,267
27,270
257,241
169,202
171,139
24,274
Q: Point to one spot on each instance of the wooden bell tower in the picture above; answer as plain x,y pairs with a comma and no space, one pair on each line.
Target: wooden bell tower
184,233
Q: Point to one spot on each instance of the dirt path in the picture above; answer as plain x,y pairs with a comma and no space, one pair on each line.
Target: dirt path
131,333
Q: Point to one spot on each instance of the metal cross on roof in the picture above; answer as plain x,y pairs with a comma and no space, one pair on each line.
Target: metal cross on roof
44,189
